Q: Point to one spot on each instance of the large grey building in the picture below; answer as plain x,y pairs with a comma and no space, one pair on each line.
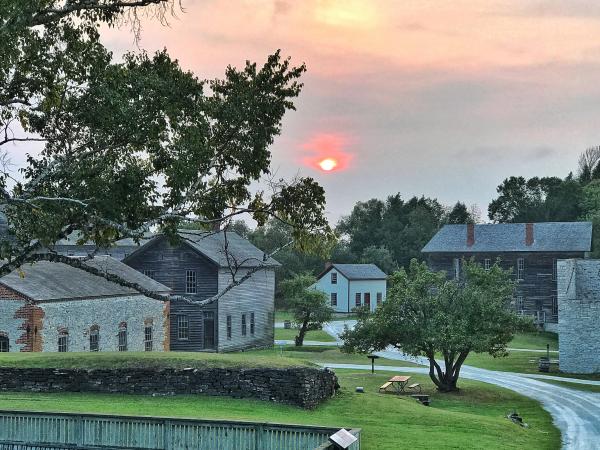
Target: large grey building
201,265
531,250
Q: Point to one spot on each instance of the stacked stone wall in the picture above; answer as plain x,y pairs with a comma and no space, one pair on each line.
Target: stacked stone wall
304,387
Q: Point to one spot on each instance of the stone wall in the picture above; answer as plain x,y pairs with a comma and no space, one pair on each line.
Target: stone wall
304,387
579,315
78,316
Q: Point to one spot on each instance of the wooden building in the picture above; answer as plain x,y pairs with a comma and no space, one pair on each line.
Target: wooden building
50,306
201,265
530,250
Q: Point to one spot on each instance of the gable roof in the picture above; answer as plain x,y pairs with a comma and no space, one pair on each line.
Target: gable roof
218,246
510,237
358,271
45,280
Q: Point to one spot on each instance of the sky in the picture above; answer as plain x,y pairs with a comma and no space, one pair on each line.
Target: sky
425,97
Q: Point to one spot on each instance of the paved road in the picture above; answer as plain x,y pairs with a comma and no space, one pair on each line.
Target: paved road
575,413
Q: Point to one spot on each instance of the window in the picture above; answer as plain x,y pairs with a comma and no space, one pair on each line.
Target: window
228,327
183,327
94,338
4,343
148,337
487,263
520,303
520,268
554,269
554,305
456,265
251,323
379,298
243,324
150,273
63,341
190,282
123,337
368,300
334,299
357,299
333,278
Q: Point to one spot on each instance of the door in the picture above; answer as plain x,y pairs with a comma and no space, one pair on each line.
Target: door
368,300
4,345
209,329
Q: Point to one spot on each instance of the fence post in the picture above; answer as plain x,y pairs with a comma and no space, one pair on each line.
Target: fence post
167,443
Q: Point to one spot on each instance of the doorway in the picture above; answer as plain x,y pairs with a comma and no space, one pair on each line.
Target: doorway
209,329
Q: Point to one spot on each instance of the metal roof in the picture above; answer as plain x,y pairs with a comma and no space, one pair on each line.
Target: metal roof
359,271
45,280
218,246
510,237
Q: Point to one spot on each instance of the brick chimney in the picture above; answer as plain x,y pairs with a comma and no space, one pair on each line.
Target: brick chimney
328,264
470,234
529,238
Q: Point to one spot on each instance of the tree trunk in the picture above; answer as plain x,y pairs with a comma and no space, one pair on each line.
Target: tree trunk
299,340
446,380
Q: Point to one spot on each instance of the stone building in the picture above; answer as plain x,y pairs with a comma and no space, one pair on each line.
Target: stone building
49,306
579,315
201,265
531,250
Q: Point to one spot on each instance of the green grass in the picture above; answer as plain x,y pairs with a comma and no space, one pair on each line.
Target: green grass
290,334
116,360
282,315
536,341
472,418
333,355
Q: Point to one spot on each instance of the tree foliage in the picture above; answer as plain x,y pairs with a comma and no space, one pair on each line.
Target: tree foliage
140,143
309,306
425,314
459,214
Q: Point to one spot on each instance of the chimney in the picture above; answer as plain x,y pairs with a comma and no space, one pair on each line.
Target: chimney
529,238
328,264
470,234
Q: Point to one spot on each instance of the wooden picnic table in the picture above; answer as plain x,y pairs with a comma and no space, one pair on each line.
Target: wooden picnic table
399,383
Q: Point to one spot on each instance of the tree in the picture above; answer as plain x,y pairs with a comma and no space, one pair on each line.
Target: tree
140,143
547,199
425,314
381,257
589,169
309,306
459,214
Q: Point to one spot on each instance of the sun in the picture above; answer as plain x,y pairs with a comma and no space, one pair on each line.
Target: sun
328,164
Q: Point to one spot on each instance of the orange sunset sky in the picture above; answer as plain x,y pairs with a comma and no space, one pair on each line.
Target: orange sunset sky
435,97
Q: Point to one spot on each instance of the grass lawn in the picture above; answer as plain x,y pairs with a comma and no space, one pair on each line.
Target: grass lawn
281,315
333,355
472,418
536,341
116,360
290,334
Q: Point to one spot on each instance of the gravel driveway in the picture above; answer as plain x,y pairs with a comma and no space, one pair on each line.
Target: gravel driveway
575,413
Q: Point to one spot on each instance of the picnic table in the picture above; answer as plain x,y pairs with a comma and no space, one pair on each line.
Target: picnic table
398,382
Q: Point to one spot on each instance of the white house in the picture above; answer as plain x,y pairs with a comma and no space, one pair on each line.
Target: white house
351,285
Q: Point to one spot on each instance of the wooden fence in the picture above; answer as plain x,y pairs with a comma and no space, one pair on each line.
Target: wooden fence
24,430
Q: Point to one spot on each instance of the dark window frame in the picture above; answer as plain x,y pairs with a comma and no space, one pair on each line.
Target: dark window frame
94,339
148,338
183,327
4,343
520,269
379,297
333,277
358,299
244,327
63,341
229,327
487,263
252,323
191,282
122,337
333,298
367,299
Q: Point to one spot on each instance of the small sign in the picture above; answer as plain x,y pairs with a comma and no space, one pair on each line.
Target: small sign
343,438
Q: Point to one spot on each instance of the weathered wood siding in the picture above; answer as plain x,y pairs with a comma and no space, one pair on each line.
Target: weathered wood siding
537,286
256,295
170,264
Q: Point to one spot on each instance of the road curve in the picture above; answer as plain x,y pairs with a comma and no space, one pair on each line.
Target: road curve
575,413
